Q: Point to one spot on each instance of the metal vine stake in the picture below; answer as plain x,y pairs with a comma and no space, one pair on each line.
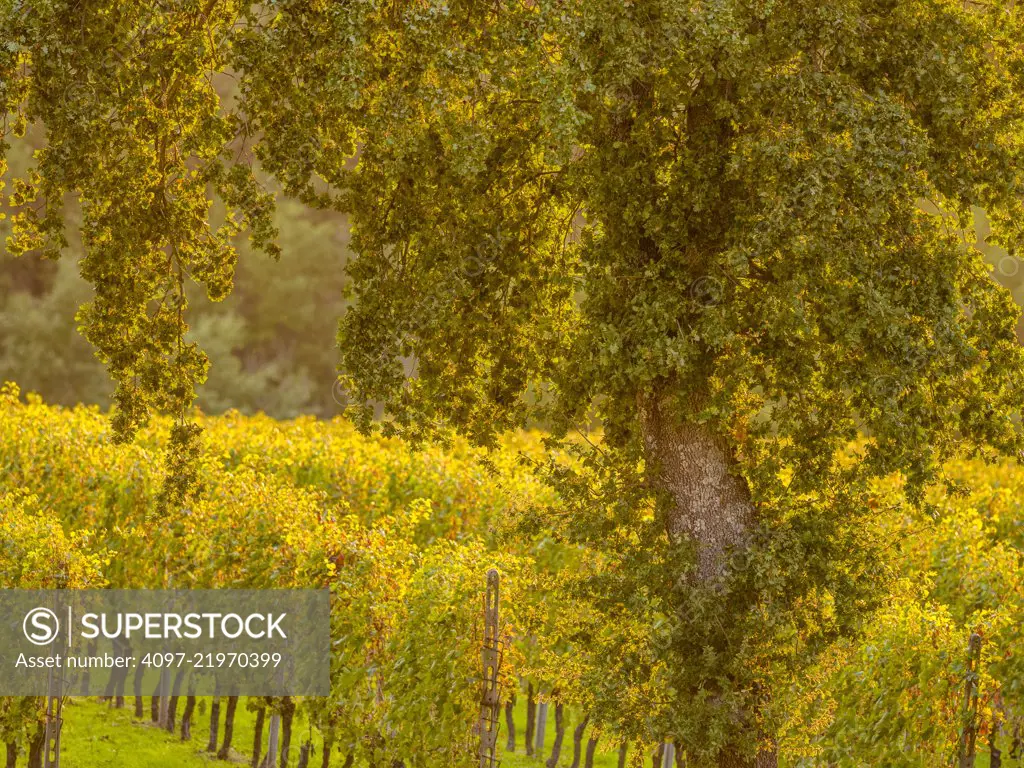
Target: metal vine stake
490,699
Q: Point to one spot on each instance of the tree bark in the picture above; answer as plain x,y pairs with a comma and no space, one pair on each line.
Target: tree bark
36,745
172,705
12,754
211,744
229,728
186,718
658,758
172,713
117,679
111,686
711,505
731,759
257,741
591,749
304,755
623,749
154,704
510,723
287,713
711,500
556,747
137,691
577,741
531,718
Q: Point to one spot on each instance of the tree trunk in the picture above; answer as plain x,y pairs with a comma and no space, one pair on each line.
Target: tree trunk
623,749
349,761
531,718
658,758
257,741
711,507
111,686
510,723
287,713
995,755
211,744
734,760
304,755
137,691
172,705
154,701
36,745
577,741
117,679
229,728
325,753
90,650
556,747
12,754
172,713
186,718
591,749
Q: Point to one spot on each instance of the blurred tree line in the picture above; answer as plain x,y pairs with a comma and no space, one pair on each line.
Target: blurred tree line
271,342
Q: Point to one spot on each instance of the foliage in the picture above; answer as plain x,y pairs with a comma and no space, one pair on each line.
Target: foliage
399,585
35,553
269,342
895,695
135,131
402,537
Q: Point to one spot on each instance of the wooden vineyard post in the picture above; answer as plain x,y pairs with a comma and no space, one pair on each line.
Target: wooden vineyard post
165,696
54,711
969,735
54,705
490,699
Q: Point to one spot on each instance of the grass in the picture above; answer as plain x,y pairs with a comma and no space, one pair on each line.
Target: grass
603,758
93,736
96,736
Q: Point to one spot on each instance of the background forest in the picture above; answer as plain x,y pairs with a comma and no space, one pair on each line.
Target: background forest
271,342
